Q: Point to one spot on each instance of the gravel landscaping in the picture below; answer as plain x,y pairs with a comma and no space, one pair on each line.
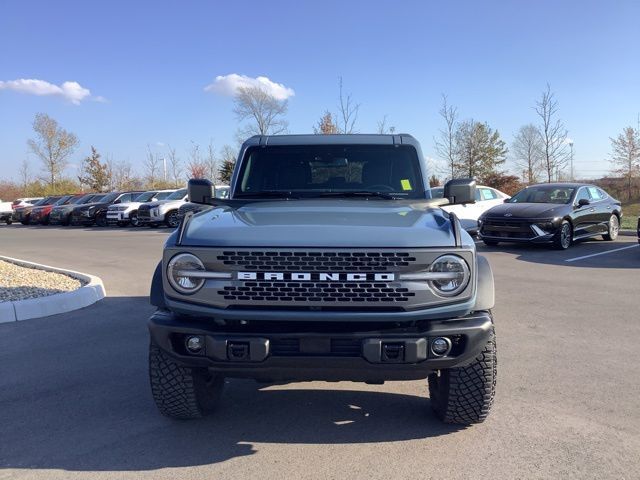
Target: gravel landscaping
21,283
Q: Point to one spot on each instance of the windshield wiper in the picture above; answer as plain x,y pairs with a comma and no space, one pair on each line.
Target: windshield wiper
269,194
362,193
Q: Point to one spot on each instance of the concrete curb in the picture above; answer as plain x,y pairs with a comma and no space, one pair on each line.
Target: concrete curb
88,294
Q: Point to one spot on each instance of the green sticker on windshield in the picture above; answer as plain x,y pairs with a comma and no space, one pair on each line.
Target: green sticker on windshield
406,184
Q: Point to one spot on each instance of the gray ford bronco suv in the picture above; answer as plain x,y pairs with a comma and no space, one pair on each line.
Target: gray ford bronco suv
328,261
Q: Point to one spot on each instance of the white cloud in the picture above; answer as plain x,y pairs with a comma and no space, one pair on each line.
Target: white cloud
70,91
229,84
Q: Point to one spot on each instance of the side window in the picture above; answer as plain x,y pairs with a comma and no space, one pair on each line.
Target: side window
595,195
583,194
602,193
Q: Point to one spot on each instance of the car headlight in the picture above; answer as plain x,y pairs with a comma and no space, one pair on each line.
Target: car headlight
455,276
178,273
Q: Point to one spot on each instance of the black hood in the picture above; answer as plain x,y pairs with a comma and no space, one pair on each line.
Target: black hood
528,210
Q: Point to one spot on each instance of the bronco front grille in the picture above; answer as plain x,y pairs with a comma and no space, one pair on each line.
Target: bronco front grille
317,261
316,292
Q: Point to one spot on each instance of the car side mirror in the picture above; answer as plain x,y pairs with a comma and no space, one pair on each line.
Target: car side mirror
460,191
200,190
583,202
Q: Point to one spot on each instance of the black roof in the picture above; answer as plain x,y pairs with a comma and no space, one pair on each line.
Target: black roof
320,139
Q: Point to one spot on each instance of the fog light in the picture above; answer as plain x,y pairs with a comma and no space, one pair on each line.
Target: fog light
195,344
440,346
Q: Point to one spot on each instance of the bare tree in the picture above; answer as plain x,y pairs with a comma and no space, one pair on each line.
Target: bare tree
175,166
53,145
326,125
625,156
122,175
528,151
196,168
446,143
347,112
152,168
553,134
383,128
25,173
264,112
212,163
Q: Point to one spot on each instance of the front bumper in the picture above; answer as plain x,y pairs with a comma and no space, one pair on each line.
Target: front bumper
287,351
117,217
145,218
78,219
518,231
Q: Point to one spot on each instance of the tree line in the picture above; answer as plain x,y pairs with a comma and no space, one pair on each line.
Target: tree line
540,150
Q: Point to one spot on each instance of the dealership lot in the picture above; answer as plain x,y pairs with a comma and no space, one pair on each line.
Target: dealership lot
75,402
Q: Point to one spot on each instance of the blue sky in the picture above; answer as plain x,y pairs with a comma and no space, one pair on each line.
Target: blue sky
146,65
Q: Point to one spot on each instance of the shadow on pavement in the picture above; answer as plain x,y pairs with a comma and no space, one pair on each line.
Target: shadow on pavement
572,257
74,395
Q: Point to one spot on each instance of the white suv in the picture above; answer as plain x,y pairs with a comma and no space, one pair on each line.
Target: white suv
163,211
127,213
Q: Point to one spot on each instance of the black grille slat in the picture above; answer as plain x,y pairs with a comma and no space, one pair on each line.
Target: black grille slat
316,261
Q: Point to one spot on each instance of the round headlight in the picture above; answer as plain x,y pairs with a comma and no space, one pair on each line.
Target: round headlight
455,276
178,273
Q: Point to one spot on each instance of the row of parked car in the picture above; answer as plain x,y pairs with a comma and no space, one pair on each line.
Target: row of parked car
135,208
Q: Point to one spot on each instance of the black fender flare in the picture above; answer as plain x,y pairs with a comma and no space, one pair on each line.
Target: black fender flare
486,296
156,296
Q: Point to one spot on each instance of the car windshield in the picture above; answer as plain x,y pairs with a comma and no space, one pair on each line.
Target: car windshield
222,192
95,199
109,197
437,192
178,194
42,201
64,200
144,197
161,195
544,194
84,199
314,170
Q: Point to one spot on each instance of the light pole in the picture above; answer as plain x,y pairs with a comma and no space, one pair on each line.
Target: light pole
571,147
164,168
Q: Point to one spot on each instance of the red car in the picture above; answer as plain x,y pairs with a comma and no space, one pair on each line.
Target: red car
40,214
23,214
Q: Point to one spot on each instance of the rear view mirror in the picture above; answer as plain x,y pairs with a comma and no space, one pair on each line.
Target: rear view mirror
200,190
460,191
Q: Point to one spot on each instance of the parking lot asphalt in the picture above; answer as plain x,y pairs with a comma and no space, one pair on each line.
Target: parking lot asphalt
75,400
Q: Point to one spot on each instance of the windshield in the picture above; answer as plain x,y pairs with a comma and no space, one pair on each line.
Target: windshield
313,170
222,192
95,199
144,197
437,192
64,200
42,201
544,194
162,195
177,195
84,199
109,197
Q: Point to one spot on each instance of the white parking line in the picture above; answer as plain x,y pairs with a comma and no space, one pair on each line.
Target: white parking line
602,253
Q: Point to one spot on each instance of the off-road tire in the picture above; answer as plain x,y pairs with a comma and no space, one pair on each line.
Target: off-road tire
560,242
490,243
464,395
613,227
181,392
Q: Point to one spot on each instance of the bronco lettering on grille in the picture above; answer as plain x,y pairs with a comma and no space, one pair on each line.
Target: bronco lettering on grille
318,277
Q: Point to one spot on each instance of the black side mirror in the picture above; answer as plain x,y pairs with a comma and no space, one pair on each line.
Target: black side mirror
200,190
460,191
583,202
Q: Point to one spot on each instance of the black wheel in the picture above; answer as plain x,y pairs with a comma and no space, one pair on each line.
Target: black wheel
181,392
171,219
101,220
464,395
564,237
490,243
613,228
133,219
9,221
65,221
